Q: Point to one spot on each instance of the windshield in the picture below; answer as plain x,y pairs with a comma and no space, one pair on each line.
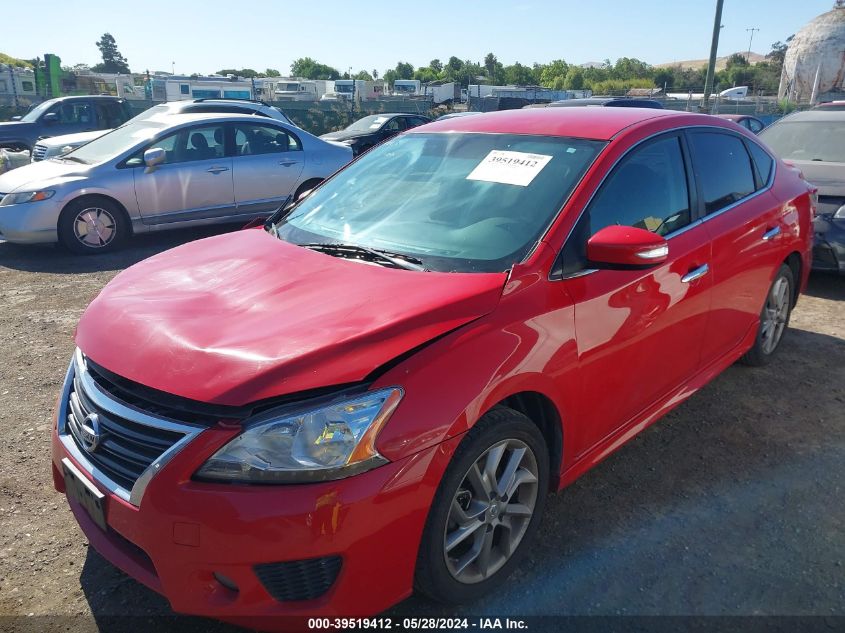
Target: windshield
456,202
339,87
37,111
150,112
807,140
368,123
114,143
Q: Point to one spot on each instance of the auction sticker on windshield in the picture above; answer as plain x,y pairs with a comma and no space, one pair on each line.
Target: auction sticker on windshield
509,168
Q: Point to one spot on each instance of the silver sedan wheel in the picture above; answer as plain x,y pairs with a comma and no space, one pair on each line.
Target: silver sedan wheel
775,315
94,227
491,511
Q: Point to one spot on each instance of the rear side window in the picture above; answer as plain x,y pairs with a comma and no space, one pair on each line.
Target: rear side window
762,161
647,190
723,168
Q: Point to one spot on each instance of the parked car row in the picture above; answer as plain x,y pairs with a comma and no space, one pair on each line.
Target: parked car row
375,392
164,171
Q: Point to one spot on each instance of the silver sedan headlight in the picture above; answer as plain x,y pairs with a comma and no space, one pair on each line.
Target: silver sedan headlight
26,196
329,442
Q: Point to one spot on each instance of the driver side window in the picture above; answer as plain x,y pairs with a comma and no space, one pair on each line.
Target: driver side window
647,190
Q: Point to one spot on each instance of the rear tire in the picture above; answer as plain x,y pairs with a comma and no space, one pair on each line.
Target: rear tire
774,319
89,226
486,510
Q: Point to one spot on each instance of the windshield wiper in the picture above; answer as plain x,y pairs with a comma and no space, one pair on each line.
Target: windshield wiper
399,260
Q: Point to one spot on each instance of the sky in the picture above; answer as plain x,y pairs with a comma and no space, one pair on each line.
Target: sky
204,37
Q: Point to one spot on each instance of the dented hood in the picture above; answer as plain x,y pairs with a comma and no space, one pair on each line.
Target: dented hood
237,318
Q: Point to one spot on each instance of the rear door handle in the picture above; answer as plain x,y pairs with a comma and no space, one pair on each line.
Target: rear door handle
695,273
287,163
216,170
771,233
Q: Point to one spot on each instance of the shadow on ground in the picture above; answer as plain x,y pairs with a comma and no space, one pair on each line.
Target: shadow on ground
827,286
52,258
731,505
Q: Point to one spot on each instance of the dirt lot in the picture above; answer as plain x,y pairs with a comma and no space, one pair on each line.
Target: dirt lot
732,505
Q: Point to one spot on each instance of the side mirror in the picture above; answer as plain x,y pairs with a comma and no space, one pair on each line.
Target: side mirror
50,117
627,246
153,157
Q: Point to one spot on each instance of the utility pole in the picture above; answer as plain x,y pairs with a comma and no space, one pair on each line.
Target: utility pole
751,39
714,46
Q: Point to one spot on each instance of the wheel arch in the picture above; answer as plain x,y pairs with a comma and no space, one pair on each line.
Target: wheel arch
795,263
100,196
543,412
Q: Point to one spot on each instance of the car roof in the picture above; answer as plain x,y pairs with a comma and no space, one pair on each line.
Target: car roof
736,117
816,115
594,123
181,118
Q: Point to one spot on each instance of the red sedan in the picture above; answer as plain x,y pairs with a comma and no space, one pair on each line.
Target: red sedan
375,393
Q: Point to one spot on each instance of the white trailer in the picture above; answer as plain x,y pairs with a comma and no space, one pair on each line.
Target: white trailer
443,93
406,88
360,89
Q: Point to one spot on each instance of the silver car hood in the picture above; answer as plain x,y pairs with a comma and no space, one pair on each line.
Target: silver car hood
71,139
828,177
37,174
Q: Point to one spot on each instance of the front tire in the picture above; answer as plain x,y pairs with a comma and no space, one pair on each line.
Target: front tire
486,510
774,319
92,225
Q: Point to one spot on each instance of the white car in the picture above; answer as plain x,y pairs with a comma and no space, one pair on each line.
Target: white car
58,145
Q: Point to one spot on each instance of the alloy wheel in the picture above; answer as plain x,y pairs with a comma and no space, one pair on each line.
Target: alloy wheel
775,315
94,227
491,511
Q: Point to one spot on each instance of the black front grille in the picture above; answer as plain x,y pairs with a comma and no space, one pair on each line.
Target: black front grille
299,579
125,449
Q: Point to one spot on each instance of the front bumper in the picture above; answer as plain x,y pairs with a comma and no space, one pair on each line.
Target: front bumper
31,222
183,532
829,245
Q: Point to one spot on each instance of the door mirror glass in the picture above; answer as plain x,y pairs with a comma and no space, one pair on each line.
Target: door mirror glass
154,156
50,117
626,246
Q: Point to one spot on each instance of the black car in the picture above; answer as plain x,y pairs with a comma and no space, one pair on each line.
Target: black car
607,102
65,115
373,129
814,142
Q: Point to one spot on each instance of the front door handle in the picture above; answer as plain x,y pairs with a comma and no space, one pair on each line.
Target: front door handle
695,273
771,233
287,163
216,170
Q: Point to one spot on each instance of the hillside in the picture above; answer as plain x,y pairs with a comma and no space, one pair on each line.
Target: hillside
721,62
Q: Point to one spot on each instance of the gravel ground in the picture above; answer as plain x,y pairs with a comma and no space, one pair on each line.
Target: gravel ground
734,504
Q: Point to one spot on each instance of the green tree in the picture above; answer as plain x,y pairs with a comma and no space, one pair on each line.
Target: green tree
404,70
113,61
247,73
390,76
363,74
312,69
425,75
574,79
549,73
518,74
737,59
272,72
436,65
664,77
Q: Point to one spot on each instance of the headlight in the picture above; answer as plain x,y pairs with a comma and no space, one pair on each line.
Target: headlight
329,442
66,149
26,196
840,213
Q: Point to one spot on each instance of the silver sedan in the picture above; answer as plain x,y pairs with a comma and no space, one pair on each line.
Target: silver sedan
165,172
